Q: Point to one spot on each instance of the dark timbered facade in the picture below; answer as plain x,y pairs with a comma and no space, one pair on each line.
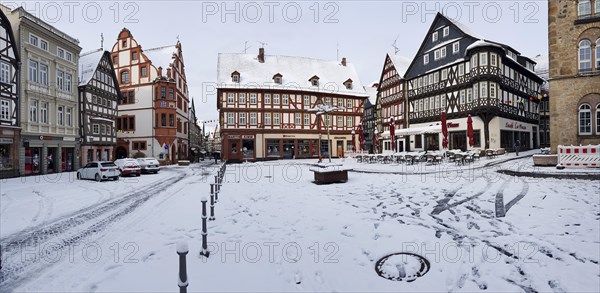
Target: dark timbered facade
265,105
9,100
98,97
458,72
369,117
391,98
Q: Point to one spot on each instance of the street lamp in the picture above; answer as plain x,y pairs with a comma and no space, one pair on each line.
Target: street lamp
321,109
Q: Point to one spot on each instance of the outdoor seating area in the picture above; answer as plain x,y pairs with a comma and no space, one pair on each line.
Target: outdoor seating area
430,157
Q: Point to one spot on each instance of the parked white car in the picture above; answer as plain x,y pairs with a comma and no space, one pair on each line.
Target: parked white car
99,171
129,167
149,165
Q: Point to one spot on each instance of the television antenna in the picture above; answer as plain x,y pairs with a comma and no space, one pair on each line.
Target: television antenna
395,46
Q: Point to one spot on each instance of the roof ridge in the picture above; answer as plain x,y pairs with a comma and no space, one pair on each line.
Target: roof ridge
159,48
91,52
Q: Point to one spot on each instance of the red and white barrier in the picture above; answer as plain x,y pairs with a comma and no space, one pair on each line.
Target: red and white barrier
579,156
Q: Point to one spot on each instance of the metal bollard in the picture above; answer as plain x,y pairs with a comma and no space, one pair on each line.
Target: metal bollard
182,251
204,251
212,207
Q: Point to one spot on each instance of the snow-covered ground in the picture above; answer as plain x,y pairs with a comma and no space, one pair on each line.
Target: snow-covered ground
277,231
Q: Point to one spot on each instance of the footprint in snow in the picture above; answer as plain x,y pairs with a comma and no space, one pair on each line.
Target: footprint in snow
298,277
318,277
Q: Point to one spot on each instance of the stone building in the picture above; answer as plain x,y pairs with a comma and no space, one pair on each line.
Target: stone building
49,118
574,53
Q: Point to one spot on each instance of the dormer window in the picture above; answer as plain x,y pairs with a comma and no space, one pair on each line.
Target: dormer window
277,78
348,84
446,31
235,77
314,81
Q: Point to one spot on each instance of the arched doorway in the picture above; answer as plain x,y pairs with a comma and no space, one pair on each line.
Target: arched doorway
120,152
173,154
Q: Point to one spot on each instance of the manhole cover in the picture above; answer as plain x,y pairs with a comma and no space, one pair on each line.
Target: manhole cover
402,266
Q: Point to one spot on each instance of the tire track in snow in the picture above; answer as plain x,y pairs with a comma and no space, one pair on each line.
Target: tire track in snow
69,230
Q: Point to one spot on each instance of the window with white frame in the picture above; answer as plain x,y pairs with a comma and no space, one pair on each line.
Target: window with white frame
60,77
455,47
102,129
461,69
69,116
349,122
483,59
60,115
33,40
436,78
276,120
585,55
5,109
446,31
349,103
426,102
235,78
431,103
267,118
443,52
5,72
68,82
443,97
252,118
242,118
597,7
44,112
493,60
597,115
426,59
285,99
469,95
298,119
585,119
340,102
444,74
436,55
434,37
437,102
584,8
242,99
33,110
462,97
230,118
252,98
96,129
492,90
230,98
474,61
43,74
306,102
44,45
306,119
598,45
340,121
68,56
276,99
60,52
33,71
267,99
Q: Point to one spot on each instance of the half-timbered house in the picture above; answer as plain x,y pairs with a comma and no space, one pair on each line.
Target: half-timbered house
153,113
369,117
265,104
49,118
10,66
98,97
457,71
392,102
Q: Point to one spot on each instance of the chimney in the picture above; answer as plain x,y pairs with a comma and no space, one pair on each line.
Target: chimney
261,55
159,71
169,73
343,61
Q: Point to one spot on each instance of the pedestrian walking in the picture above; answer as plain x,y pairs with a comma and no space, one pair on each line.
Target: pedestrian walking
517,146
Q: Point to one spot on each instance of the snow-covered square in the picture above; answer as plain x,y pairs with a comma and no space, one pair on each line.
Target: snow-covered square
275,230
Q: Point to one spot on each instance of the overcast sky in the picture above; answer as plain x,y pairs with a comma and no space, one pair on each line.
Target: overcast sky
362,31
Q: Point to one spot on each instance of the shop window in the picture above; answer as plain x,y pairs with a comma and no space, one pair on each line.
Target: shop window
418,141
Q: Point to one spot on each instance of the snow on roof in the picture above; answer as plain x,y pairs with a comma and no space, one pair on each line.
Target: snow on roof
88,63
542,66
161,56
442,44
465,28
482,43
401,63
372,92
295,71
